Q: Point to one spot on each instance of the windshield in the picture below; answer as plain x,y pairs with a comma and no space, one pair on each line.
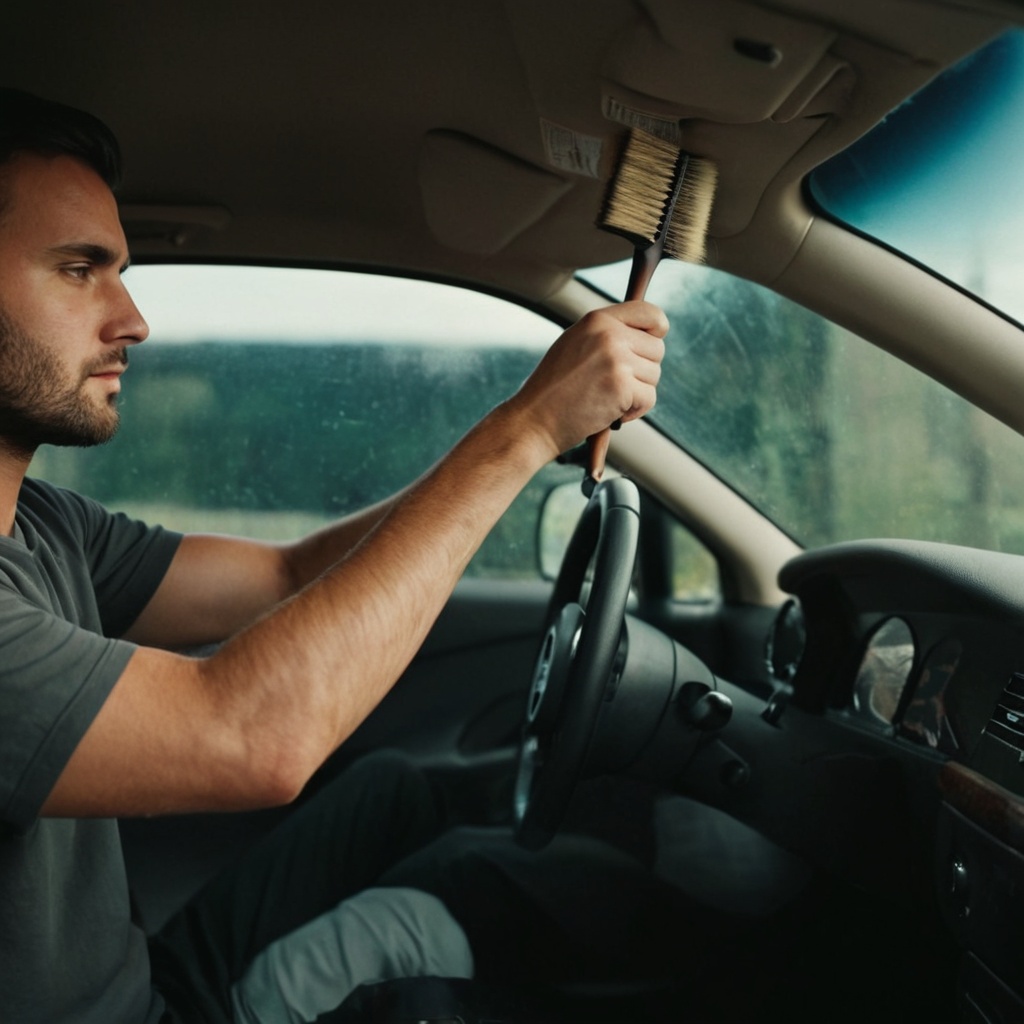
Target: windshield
831,437
942,178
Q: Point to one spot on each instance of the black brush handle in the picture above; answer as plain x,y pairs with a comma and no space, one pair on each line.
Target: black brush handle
645,263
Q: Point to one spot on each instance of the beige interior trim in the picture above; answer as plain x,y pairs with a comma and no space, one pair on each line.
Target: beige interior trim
962,344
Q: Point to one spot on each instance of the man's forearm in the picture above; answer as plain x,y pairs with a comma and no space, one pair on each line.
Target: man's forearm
347,636
310,557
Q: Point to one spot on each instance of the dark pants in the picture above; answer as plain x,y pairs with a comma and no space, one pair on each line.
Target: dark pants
578,911
337,844
581,910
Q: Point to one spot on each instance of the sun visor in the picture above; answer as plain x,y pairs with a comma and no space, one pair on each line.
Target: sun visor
727,62
172,225
478,198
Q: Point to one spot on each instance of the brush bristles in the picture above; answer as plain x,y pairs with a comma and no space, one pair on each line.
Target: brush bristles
642,190
687,229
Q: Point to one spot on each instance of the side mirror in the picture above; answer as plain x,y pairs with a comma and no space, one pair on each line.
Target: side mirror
559,514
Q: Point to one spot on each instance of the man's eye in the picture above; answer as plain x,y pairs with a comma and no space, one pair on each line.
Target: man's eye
80,271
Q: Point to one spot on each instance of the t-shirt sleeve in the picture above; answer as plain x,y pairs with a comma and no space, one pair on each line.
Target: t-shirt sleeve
127,558
90,575
56,677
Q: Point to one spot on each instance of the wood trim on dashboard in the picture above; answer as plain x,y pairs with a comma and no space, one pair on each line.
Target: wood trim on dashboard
988,805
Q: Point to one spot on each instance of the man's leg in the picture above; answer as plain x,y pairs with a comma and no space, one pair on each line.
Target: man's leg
379,811
578,910
376,935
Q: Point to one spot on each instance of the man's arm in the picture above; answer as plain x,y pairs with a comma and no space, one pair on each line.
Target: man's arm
247,726
217,585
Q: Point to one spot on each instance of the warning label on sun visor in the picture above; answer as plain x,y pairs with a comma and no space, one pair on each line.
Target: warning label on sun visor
621,113
572,151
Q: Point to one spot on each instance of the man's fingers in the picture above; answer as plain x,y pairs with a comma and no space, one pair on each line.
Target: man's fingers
644,400
604,368
650,352
642,316
632,337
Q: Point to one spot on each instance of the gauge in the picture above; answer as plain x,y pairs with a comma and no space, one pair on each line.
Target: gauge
926,720
884,670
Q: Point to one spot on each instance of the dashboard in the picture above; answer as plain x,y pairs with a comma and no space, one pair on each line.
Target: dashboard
921,646
921,642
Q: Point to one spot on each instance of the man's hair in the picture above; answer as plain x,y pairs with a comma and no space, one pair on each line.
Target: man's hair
31,124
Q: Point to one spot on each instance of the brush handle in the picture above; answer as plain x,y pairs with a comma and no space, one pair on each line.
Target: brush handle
645,262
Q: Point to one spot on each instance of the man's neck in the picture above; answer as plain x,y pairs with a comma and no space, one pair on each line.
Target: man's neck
13,467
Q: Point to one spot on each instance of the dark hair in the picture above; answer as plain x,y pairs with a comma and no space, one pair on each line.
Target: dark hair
30,123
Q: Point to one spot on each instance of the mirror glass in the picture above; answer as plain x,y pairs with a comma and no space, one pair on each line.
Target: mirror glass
884,671
558,518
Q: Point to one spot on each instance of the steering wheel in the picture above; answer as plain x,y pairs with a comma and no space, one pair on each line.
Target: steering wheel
576,659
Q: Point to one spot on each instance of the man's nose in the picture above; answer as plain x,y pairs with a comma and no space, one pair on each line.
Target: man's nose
126,325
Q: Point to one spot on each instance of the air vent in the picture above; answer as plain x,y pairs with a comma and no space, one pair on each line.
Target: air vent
1007,723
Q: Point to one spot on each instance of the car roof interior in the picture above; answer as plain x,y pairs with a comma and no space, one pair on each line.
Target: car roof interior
472,139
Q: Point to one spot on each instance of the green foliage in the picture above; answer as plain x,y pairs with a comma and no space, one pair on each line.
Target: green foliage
274,439
745,382
828,435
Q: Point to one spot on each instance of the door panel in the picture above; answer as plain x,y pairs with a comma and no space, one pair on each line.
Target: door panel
463,695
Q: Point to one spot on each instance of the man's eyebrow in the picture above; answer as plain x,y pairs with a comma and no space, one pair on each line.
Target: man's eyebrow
98,255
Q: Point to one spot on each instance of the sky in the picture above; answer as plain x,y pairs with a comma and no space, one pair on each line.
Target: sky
195,303
942,179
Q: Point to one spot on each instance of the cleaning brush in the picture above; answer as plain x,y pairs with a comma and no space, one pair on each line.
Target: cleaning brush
659,199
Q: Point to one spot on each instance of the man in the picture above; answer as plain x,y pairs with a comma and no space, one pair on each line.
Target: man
100,718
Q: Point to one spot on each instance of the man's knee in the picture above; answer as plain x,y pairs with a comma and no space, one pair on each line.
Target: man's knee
377,935
416,928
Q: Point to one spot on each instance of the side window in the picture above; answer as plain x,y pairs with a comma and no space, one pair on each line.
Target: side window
694,576
268,402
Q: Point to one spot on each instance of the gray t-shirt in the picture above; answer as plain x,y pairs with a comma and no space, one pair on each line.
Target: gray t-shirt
72,578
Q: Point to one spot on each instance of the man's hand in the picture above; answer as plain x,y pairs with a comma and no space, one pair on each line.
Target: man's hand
604,368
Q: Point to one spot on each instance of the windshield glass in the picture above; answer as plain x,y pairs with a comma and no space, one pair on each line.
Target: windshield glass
942,178
831,437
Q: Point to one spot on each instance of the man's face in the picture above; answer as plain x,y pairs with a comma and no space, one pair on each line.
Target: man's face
66,320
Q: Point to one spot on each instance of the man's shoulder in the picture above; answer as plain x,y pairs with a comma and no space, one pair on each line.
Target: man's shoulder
50,502
36,491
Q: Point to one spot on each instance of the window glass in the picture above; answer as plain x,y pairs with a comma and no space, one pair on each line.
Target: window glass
942,178
828,435
694,569
884,670
268,402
